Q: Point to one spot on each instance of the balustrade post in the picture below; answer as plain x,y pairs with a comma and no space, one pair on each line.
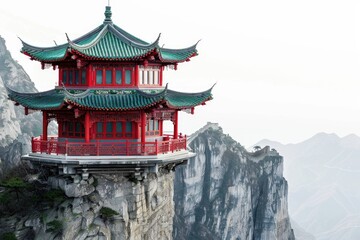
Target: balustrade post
185,142
57,147
127,147
156,147
32,144
66,147
97,147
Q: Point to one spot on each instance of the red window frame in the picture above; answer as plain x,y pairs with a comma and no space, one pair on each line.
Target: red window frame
70,73
114,133
71,129
152,128
114,83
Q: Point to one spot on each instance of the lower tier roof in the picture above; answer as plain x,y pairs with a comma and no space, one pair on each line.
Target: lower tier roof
109,99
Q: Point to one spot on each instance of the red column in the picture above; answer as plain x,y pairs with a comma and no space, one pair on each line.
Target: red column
89,76
161,75
143,126
60,77
136,75
176,130
161,130
45,125
87,127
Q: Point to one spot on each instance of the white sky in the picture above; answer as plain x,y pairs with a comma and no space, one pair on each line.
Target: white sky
285,70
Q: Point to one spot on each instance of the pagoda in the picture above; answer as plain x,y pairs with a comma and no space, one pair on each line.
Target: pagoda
110,104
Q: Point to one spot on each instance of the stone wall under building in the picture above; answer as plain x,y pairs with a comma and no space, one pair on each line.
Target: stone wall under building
144,209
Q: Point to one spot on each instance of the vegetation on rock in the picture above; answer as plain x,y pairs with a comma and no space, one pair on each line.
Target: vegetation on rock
55,226
8,236
107,213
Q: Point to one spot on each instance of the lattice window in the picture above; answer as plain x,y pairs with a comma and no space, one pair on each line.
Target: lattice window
114,76
71,129
153,128
73,77
112,130
149,75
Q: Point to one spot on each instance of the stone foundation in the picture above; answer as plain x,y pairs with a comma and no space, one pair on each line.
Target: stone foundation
145,208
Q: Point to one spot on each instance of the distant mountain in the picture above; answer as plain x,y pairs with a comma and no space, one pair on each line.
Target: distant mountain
323,173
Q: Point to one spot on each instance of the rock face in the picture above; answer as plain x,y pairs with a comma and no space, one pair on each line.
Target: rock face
14,127
228,193
142,210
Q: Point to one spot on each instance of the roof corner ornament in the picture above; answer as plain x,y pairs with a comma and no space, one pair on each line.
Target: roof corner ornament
108,14
67,37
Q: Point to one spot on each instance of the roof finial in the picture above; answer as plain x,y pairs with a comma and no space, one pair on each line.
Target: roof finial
108,13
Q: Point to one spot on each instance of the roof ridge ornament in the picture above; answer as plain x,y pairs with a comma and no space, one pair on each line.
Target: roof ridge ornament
108,15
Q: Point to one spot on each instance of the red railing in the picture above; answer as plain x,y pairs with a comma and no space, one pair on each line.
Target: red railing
98,148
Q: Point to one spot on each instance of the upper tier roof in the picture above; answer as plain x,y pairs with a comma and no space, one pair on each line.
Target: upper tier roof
109,42
109,99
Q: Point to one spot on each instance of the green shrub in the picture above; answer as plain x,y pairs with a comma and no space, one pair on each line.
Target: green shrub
15,184
4,198
9,236
54,195
108,212
55,226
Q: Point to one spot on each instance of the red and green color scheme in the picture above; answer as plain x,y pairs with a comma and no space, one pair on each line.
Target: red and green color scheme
111,99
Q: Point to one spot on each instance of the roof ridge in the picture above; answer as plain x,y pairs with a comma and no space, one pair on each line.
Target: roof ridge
131,42
128,35
192,47
102,33
56,47
192,93
76,95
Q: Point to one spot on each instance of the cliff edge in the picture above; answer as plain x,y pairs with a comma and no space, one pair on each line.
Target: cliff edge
226,192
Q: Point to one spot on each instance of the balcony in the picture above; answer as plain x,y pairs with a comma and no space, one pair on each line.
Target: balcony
55,146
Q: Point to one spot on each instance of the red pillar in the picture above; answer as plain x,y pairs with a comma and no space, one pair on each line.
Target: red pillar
136,75
176,130
143,126
45,125
87,127
161,76
89,76
60,77
161,130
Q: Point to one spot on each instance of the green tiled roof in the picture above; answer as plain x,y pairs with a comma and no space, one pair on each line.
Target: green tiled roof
112,100
109,42
38,101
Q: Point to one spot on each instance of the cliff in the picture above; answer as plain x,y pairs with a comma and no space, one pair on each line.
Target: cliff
226,192
223,193
15,129
98,207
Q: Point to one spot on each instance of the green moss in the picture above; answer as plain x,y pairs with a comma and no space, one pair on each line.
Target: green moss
55,226
8,236
5,198
54,195
42,217
96,182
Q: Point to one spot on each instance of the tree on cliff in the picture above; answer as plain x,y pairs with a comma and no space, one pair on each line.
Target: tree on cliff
257,148
15,184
